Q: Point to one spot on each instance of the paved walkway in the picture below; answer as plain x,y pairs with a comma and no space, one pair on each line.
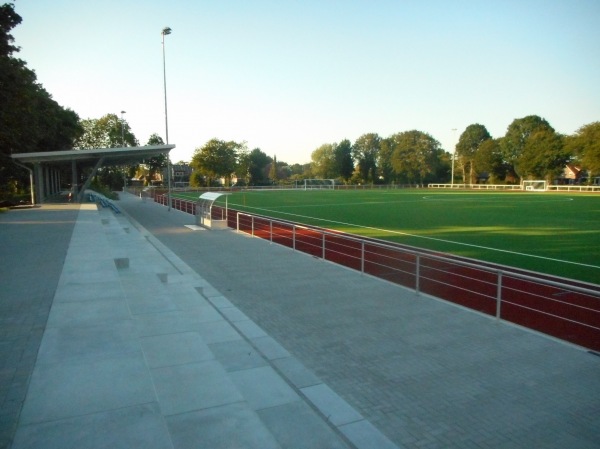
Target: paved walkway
160,336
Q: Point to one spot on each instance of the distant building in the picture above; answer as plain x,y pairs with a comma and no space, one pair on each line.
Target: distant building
572,174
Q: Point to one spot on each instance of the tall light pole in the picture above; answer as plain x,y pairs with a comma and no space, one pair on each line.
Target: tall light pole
122,129
453,156
164,32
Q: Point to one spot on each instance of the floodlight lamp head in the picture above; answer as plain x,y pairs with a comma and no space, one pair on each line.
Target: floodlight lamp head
165,31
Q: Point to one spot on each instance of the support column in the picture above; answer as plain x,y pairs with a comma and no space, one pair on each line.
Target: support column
56,187
39,179
47,190
74,178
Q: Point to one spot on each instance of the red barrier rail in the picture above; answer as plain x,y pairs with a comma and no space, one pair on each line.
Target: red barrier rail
554,306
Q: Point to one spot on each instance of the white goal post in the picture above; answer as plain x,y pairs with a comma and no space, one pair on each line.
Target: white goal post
535,186
311,184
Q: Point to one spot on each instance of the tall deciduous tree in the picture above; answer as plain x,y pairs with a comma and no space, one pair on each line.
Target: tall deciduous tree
156,163
489,159
30,120
216,159
585,146
416,155
259,161
108,131
273,172
468,146
342,155
365,151
384,160
323,161
242,169
514,141
543,156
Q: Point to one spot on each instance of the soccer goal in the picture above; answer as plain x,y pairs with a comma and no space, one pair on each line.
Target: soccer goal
313,184
535,186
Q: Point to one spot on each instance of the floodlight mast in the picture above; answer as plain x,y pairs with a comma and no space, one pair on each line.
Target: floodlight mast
164,32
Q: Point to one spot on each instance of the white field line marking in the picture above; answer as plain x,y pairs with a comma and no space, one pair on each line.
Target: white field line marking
428,238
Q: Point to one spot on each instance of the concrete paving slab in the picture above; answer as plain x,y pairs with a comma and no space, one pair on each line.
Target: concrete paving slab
295,372
237,355
158,323
226,427
147,301
131,427
262,387
80,289
92,312
296,425
64,390
66,344
218,331
194,386
175,349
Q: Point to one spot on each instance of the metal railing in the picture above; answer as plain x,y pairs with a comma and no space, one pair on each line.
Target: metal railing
568,310
563,309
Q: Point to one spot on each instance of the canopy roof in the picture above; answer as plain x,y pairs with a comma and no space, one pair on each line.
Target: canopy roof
111,156
46,166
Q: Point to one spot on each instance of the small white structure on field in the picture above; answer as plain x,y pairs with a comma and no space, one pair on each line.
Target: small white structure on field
204,211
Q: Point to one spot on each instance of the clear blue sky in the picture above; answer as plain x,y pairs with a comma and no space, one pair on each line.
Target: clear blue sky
287,76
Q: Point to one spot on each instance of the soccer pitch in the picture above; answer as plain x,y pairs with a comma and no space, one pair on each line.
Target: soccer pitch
554,233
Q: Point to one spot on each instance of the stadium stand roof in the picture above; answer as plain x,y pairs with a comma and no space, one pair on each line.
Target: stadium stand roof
45,163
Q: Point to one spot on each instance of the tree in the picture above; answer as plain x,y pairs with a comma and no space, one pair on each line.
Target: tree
242,170
156,163
468,145
585,146
30,120
273,175
543,156
323,161
365,151
108,131
416,155
384,160
489,159
259,161
216,159
342,157
516,137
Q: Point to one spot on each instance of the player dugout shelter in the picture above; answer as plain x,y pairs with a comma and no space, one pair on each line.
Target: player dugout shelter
47,166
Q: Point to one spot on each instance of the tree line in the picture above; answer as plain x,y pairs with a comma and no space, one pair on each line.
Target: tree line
530,149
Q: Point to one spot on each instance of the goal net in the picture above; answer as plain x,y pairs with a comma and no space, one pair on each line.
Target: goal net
312,184
536,186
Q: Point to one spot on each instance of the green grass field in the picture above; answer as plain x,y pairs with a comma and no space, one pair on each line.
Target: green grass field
555,233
